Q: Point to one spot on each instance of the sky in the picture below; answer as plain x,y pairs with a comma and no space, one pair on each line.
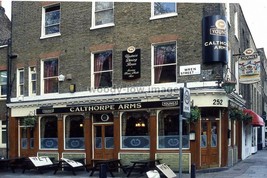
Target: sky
254,11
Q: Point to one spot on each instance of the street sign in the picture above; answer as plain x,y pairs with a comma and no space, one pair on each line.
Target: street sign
185,99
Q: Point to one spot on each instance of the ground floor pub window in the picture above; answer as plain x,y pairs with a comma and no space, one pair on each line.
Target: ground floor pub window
168,130
48,132
135,129
74,132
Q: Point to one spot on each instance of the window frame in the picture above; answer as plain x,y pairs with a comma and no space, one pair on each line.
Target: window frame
93,69
43,78
183,122
31,81
65,122
93,24
20,84
124,121
4,84
43,32
40,134
236,26
166,15
153,66
2,129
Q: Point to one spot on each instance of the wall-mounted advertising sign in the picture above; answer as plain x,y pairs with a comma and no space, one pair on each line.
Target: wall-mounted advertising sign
249,67
131,63
214,39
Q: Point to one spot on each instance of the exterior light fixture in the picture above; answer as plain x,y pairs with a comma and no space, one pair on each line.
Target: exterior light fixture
228,85
72,88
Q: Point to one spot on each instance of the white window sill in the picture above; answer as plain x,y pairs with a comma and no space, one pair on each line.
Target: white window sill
102,26
163,16
50,35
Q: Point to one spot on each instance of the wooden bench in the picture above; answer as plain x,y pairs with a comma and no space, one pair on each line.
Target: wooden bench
112,165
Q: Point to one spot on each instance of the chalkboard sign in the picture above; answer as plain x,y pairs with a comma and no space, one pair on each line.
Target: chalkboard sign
131,68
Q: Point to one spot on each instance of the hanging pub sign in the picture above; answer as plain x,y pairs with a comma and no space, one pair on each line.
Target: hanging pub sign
214,39
249,67
131,63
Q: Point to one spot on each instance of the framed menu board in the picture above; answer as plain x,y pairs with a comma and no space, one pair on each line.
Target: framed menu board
131,68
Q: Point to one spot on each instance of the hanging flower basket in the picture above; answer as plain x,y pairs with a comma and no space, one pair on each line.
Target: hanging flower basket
29,121
194,114
236,114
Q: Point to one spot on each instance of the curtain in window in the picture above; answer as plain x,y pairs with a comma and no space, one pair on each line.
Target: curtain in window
159,60
99,61
50,74
100,67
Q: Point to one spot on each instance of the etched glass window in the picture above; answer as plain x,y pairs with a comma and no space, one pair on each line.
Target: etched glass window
168,130
135,130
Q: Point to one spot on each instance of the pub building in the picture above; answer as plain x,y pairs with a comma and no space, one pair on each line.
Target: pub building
100,91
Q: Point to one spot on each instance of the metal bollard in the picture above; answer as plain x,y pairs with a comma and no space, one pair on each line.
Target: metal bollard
103,171
193,171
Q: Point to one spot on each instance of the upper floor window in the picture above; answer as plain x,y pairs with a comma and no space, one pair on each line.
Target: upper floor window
163,9
3,83
102,69
20,82
51,21
102,14
164,63
32,81
50,76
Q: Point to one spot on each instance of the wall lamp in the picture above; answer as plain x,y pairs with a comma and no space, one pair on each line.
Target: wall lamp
228,85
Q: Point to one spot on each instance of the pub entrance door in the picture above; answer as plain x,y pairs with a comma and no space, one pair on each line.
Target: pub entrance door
26,141
209,143
103,141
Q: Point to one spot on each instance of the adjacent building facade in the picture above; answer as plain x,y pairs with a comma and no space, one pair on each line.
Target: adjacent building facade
5,32
102,80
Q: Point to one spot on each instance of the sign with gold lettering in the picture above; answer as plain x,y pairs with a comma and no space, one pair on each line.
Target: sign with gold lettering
131,63
110,107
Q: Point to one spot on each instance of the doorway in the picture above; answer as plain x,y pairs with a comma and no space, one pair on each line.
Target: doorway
103,141
209,143
26,140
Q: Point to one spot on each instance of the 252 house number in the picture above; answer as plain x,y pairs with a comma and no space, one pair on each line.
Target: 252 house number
217,102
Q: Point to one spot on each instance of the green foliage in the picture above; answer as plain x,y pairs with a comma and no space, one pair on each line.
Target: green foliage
195,114
29,121
238,114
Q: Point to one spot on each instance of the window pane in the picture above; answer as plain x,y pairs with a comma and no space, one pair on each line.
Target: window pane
104,17
100,6
74,132
104,13
3,77
51,85
165,54
49,138
3,89
109,140
3,136
168,125
165,74
51,68
52,20
102,69
135,130
163,8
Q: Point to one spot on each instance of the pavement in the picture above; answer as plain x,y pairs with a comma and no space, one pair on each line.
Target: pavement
255,166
